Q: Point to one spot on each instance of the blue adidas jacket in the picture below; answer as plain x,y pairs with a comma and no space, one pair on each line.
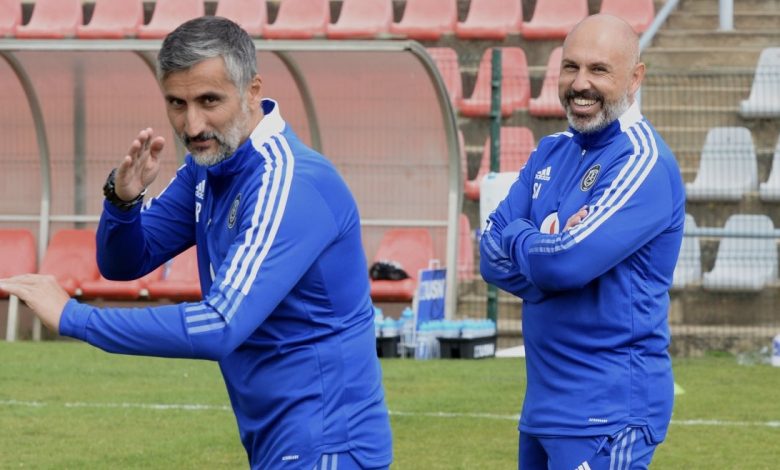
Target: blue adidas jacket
286,307
595,298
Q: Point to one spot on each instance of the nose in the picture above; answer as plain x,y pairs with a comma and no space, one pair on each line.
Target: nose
194,122
581,81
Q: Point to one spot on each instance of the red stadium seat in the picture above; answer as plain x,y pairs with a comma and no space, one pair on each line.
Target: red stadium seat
362,19
517,143
427,20
103,288
10,16
638,13
300,19
446,60
412,248
252,15
547,104
491,19
168,15
113,19
70,257
466,266
17,250
515,86
553,19
52,19
180,281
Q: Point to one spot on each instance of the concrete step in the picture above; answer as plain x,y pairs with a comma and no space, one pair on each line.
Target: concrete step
693,96
710,38
739,5
758,20
693,58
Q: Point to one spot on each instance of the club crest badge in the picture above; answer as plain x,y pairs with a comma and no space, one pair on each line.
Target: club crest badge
234,211
590,177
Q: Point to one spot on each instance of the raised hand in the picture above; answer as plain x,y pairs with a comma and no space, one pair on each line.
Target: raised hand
140,166
41,293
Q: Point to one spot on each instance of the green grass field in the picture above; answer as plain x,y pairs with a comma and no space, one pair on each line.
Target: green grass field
67,405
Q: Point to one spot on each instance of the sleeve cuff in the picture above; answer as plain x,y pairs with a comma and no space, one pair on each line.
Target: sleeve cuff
73,321
117,213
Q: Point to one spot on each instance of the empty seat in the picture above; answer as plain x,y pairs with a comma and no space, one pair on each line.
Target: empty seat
466,269
515,86
688,268
113,19
412,249
299,19
70,258
52,19
491,19
179,281
446,60
362,19
746,260
17,250
516,146
168,15
638,13
553,19
252,15
548,104
10,16
728,167
427,20
764,99
770,190
119,290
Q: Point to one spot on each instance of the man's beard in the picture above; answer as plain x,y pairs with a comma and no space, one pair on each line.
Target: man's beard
609,111
227,143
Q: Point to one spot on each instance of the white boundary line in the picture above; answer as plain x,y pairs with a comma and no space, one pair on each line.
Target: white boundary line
427,414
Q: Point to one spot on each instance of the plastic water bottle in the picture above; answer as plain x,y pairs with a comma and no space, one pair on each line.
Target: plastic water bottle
389,328
407,329
378,321
776,351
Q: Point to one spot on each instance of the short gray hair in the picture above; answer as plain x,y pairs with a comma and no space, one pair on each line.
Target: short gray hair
205,38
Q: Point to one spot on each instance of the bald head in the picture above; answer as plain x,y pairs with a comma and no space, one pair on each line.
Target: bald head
600,72
607,34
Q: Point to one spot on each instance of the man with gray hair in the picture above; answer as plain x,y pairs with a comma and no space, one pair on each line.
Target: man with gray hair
286,309
588,237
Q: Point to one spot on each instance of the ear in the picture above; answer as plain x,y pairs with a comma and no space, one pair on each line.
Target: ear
254,92
637,75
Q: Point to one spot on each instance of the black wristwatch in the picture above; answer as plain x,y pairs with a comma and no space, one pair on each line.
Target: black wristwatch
109,191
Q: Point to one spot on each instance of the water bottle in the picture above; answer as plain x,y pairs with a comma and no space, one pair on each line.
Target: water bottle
389,328
407,329
776,351
378,321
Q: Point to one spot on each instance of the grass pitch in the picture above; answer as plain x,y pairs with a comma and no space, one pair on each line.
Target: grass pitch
67,405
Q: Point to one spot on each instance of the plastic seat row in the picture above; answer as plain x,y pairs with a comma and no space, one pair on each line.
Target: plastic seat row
728,168
746,259
516,145
70,258
515,83
301,19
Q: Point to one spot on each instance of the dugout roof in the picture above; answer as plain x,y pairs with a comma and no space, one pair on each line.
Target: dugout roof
377,109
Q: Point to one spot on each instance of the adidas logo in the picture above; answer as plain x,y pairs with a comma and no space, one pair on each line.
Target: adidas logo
543,174
200,189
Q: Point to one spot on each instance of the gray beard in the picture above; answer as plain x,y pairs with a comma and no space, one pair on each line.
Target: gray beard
609,113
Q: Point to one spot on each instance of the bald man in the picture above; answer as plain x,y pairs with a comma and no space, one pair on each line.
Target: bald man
588,237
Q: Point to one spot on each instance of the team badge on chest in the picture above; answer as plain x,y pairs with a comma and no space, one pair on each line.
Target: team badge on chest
234,211
590,177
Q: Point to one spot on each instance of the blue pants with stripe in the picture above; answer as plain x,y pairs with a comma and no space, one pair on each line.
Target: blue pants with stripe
630,449
340,461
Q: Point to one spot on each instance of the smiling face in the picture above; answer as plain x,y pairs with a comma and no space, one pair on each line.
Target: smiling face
208,112
600,72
